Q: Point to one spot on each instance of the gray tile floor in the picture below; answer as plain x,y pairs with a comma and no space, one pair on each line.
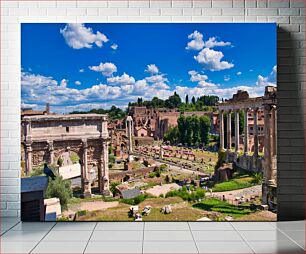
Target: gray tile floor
152,237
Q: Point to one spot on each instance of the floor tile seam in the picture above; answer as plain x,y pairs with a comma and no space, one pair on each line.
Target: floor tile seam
142,242
195,243
291,239
42,238
10,228
93,230
244,240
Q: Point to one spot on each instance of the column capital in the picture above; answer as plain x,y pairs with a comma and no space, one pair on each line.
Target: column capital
50,145
29,147
267,107
255,109
84,143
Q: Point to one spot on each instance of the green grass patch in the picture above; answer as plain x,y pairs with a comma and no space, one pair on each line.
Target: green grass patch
233,184
190,196
223,207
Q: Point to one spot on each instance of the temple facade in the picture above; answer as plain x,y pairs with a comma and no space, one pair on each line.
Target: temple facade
265,109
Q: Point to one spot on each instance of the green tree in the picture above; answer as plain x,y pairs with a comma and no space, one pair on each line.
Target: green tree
189,131
205,126
196,138
157,103
181,129
193,100
172,135
173,101
186,99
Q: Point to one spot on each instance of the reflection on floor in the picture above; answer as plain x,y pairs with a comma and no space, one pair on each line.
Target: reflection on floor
152,237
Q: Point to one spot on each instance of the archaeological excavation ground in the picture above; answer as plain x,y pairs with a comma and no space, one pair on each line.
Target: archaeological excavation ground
148,122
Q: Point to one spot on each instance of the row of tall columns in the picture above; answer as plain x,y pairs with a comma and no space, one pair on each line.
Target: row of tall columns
237,134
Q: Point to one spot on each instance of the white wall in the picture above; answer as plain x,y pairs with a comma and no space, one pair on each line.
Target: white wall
289,14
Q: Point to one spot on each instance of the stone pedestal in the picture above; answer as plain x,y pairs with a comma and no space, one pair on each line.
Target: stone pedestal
87,189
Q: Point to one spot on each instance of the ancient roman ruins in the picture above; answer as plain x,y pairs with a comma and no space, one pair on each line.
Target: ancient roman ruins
138,139
46,137
267,104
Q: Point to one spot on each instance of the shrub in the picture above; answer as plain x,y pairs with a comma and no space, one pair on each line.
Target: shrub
163,167
111,158
183,193
60,161
74,158
258,177
81,213
61,189
113,186
134,201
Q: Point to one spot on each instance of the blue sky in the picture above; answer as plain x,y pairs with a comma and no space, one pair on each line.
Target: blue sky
84,66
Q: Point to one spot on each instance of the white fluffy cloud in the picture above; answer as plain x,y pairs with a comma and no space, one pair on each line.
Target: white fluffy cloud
158,81
213,42
212,60
152,69
77,83
270,80
122,80
227,77
78,36
114,46
239,73
197,42
107,69
39,89
81,70
201,79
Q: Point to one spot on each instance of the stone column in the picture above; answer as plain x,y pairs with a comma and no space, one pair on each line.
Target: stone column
274,130
229,131
86,183
28,158
246,131
273,140
221,130
161,152
255,116
237,131
267,153
51,152
129,122
103,173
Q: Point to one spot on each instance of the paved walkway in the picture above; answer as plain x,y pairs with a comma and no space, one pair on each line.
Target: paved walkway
152,237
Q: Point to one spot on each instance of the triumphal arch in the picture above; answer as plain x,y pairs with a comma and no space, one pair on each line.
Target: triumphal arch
46,137
246,158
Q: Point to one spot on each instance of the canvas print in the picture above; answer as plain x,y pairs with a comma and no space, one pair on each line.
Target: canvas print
148,122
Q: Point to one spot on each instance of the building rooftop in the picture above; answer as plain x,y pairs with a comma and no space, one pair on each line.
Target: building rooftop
35,183
65,117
